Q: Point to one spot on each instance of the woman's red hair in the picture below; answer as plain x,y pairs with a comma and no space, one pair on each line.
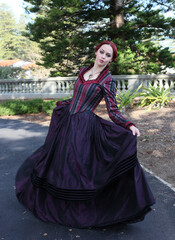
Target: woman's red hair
114,48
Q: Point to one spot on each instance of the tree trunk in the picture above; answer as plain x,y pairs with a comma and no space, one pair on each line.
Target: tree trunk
118,18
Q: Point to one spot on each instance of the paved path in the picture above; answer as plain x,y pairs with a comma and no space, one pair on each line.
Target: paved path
17,141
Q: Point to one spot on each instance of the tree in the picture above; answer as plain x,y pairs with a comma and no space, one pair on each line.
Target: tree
11,72
68,30
13,42
7,33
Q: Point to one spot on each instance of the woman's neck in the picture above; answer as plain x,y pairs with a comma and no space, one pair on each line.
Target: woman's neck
96,68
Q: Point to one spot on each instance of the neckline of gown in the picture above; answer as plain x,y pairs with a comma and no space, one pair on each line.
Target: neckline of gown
98,79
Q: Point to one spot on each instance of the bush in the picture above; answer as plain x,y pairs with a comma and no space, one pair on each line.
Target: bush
11,72
34,105
48,106
155,97
126,99
17,107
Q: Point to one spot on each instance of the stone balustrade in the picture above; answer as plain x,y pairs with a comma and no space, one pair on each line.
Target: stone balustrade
63,86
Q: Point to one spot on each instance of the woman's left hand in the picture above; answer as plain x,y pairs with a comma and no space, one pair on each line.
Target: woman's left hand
135,131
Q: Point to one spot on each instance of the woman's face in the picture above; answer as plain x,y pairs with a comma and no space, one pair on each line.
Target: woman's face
104,55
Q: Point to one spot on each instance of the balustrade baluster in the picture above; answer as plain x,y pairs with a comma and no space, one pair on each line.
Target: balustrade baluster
118,85
2,87
166,85
30,87
36,87
161,83
26,87
9,87
59,86
13,86
71,86
16,87
156,83
55,86
5,87
63,87
122,85
42,86
67,86
172,82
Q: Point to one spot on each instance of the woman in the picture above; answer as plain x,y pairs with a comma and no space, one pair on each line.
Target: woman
87,174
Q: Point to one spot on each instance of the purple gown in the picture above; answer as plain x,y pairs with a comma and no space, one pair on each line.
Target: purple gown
87,173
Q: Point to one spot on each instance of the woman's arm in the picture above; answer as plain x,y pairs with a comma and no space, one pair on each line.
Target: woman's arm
109,92
64,102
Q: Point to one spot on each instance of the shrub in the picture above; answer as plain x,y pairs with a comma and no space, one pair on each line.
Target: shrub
16,107
34,105
11,72
48,106
155,97
126,99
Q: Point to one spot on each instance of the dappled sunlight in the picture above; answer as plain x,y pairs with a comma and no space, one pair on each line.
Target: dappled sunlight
140,113
157,153
18,134
19,139
152,130
156,145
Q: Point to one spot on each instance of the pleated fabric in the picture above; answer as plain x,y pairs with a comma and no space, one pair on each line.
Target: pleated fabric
85,175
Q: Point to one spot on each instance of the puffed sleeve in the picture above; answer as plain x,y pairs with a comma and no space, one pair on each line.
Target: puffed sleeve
109,92
64,102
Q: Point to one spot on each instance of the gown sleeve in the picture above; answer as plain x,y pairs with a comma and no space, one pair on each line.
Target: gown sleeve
109,92
64,102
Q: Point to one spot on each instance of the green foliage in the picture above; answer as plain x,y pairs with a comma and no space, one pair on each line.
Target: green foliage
7,33
155,97
67,32
126,99
11,72
48,106
34,105
13,41
17,107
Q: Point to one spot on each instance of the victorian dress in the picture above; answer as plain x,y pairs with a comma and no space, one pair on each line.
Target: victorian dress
86,174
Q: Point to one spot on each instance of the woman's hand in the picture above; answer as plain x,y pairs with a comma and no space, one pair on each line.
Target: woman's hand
135,131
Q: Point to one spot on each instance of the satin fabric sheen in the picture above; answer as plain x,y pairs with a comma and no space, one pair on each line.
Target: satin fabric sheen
85,175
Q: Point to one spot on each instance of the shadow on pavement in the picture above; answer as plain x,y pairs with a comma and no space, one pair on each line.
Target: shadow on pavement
18,139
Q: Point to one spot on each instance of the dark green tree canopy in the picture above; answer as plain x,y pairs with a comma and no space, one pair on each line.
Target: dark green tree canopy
68,30
13,42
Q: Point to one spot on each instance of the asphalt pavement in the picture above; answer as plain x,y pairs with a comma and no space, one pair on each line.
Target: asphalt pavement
18,139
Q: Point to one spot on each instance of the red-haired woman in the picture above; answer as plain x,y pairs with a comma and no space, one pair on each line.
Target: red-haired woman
87,173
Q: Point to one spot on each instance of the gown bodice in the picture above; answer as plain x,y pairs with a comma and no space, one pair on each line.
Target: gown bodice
88,94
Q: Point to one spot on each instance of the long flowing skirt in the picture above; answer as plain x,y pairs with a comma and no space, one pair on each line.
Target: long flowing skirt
85,175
